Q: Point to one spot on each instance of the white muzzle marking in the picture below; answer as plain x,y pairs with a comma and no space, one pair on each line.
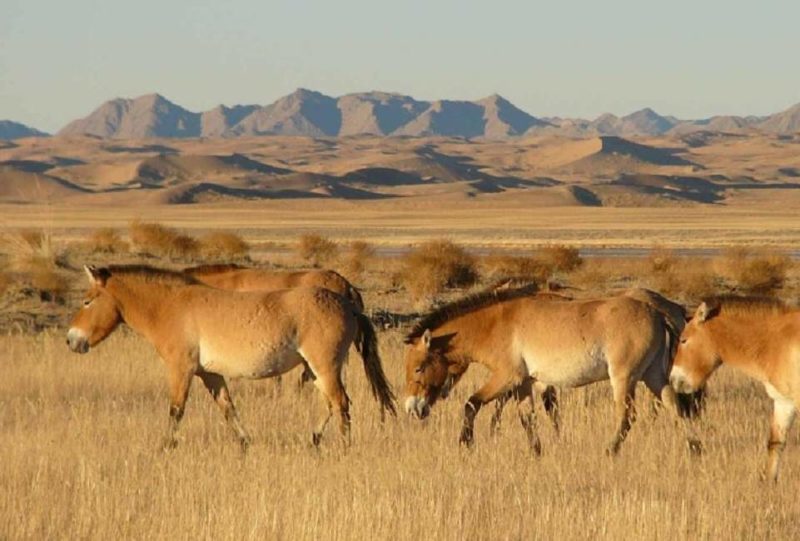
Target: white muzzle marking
77,340
418,407
679,381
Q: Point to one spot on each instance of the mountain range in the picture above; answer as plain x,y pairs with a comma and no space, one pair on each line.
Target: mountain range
309,113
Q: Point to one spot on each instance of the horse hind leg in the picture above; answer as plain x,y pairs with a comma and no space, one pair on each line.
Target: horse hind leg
624,393
527,414
783,414
497,416
219,392
337,402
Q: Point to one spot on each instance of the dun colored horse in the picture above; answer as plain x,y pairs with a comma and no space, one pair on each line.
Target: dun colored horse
760,337
523,339
689,405
215,334
236,278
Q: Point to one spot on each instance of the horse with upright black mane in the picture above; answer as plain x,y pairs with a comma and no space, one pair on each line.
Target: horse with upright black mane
215,334
760,337
522,339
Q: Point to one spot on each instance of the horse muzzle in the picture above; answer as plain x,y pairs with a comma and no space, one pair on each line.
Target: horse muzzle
679,382
417,407
77,341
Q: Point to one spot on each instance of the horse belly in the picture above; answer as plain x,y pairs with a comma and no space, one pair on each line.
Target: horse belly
567,369
250,363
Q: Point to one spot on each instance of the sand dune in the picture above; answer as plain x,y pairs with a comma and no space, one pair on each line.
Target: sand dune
18,185
697,168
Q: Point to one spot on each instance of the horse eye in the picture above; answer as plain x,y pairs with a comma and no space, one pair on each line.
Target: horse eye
87,302
683,340
420,369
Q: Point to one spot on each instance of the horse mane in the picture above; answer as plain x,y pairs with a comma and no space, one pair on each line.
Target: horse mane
212,269
471,303
747,306
151,274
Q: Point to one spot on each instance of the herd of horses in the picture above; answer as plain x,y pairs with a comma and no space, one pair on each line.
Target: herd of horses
224,321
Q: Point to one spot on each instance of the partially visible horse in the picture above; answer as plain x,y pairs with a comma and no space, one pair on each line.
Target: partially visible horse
689,405
214,334
760,337
237,278
524,339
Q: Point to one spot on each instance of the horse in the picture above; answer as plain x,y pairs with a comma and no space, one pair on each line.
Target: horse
760,337
215,335
523,339
689,405
237,278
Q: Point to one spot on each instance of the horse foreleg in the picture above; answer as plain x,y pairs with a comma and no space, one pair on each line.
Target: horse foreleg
492,389
180,379
219,392
783,414
527,415
624,393
550,403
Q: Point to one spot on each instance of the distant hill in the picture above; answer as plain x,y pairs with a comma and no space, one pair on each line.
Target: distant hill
146,116
313,114
14,130
785,122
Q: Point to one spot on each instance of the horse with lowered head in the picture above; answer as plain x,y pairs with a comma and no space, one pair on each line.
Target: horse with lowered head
215,334
522,339
760,337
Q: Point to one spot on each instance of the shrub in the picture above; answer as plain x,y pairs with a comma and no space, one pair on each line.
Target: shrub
358,254
223,245
156,240
33,254
501,267
754,272
317,250
50,283
436,265
106,241
559,258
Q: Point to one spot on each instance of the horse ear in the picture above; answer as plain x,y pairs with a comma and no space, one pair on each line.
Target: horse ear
705,311
426,339
96,276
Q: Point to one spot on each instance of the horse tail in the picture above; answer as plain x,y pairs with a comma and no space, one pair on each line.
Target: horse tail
367,346
354,296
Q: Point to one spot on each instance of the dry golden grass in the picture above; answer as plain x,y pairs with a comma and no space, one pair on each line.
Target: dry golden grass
436,265
81,459
317,250
223,246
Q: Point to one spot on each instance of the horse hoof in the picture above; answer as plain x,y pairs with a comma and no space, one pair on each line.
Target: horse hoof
169,444
695,447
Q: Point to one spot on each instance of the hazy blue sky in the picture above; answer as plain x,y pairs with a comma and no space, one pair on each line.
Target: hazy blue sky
59,59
